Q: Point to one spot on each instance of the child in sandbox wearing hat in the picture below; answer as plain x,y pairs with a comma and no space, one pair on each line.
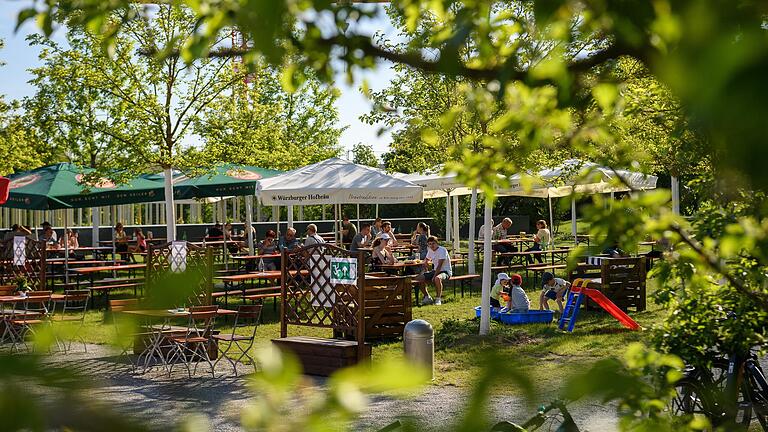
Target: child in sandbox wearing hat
517,299
553,288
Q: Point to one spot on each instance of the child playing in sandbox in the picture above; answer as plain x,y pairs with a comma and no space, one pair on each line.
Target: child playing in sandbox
553,288
517,300
499,289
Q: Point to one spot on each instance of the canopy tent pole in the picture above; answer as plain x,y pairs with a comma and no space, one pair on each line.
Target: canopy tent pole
170,208
612,198
455,224
377,210
290,216
248,222
95,222
114,246
551,224
226,263
301,213
66,251
448,216
675,195
573,218
471,247
258,210
276,219
485,297
336,228
323,210
358,216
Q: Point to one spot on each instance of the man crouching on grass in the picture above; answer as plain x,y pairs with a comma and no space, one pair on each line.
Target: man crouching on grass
441,271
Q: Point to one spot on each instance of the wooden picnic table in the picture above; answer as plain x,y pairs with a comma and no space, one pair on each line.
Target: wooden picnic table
97,269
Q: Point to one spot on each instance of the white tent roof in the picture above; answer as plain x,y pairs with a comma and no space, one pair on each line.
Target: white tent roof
435,184
336,181
579,177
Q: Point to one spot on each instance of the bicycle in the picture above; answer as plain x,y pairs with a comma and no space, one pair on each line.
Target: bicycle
730,393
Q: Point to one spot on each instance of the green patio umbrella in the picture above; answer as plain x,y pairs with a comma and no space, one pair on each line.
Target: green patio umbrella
64,185
225,180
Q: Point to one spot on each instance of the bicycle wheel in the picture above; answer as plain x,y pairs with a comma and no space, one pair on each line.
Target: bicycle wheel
717,411
689,398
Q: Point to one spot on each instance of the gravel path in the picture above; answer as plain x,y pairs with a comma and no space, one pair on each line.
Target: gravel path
163,401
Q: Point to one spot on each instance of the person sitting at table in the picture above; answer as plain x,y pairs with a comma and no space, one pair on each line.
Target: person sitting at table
215,232
49,235
419,239
233,246
121,241
499,232
269,246
348,231
16,231
289,242
141,243
362,239
376,228
441,271
481,234
386,228
381,253
312,236
540,241
69,240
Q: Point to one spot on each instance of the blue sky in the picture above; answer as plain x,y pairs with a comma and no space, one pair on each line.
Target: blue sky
18,57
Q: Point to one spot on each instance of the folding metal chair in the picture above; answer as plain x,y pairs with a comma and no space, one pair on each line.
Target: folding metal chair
195,344
75,306
244,343
35,313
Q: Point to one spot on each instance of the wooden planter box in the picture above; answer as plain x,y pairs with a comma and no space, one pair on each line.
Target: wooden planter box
321,356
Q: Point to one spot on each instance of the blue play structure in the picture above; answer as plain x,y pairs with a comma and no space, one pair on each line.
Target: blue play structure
530,317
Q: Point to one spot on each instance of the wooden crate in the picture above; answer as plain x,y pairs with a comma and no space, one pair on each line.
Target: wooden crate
387,309
622,280
322,356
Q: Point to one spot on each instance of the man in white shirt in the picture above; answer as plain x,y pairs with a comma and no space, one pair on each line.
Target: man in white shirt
312,236
441,271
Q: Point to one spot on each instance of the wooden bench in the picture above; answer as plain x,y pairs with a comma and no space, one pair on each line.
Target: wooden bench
243,293
464,281
320,356
541,268
105,286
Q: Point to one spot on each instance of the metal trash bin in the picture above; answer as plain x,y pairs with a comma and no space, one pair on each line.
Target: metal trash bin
419,341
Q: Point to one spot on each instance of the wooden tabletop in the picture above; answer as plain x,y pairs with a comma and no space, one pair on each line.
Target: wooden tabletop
270,274
546,252
254,257
84,270
401,264
170,313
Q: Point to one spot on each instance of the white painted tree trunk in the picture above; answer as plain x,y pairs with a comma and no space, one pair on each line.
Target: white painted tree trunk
472,217
573,217
485,296
170,208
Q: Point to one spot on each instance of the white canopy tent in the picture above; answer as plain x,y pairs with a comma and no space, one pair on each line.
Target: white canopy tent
438,185
336,181
576,177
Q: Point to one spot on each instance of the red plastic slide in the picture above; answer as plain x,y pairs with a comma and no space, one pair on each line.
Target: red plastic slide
611,307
